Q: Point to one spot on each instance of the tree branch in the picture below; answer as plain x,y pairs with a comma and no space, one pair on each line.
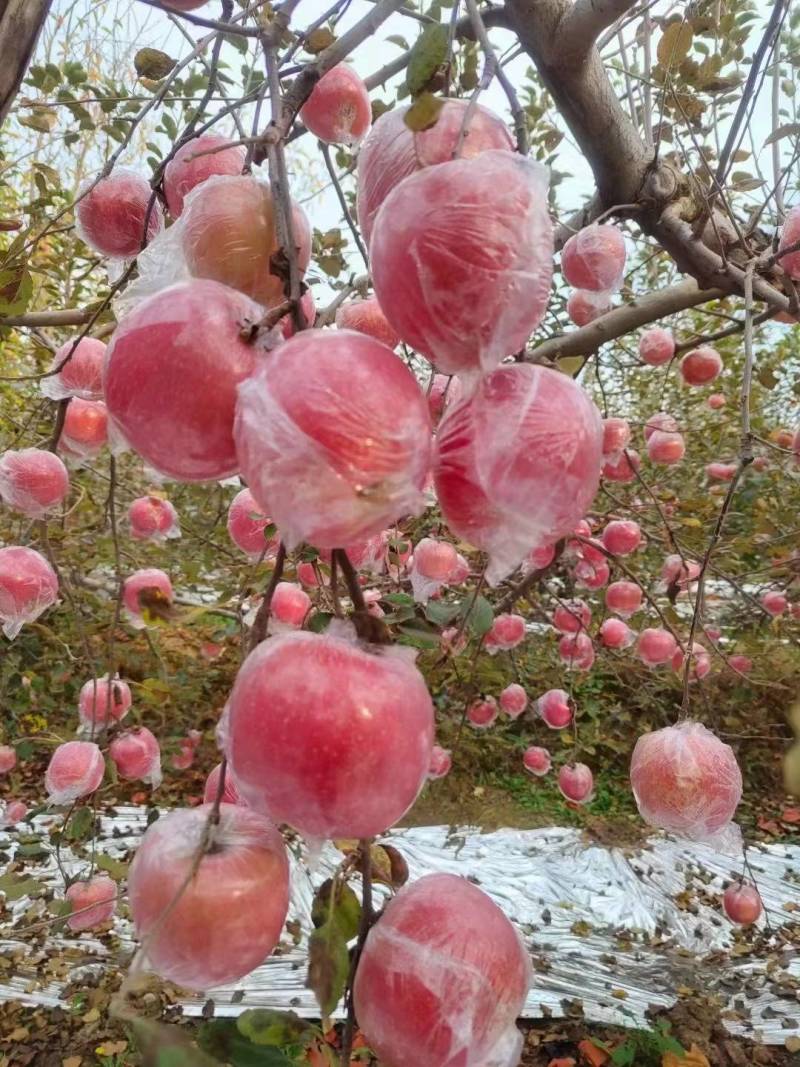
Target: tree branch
586,20
33,319
21,23
622,320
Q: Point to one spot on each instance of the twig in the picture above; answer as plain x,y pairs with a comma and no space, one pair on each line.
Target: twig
259,630
326,155
365,922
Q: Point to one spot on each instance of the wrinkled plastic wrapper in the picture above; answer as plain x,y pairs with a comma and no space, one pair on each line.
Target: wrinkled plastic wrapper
432,565
229,917
685,780
442,978
111,216
393,151
33,481
246,525
226,233
75,770
28,587
312,717
333,438
462,258
194,163
100,702
546,881
518,463
82,373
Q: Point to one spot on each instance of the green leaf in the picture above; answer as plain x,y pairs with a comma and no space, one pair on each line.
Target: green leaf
427,55
319,622
675,43
14,887
328,965
424,112
151,63
440,613
80,825
343,907
167,1046
262,1026
24,749
419,635
116,869
221,1037
480,615
399,600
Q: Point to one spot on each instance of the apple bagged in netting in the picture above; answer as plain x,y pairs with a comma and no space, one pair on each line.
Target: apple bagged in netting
462,258
518,462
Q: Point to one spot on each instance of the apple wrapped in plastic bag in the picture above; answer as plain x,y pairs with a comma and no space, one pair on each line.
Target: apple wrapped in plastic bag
518,462
442,979
462,258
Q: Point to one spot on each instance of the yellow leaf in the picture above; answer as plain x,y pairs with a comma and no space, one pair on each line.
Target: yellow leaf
693,1058
675,43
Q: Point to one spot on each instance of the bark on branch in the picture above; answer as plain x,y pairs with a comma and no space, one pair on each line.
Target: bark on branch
622,320
586,20
21,22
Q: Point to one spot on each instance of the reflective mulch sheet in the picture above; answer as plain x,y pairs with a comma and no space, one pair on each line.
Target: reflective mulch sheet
616,929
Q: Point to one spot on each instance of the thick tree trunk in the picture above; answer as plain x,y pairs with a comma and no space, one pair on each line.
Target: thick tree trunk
21,22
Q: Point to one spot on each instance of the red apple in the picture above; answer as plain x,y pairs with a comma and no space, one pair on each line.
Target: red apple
392,151
701,365
742,903
146,590
82,373
576,783
111,215
442,978
656,646
513,700
28,586
507,631
622,468
171,374
8,759
33,481
537,761
624,598
100,702
685,780
790,235
193,164
215,927
313,718
75,770
571,616
153,519
289,608
584,306
338,110
137,755
461,257
666,448
622,536
774,603
229,234
555,708
366,316
518,462
576,651
616,435
246,525
230,794
594,258
85,429
93,902
333,470
482,713
656,346
441,763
